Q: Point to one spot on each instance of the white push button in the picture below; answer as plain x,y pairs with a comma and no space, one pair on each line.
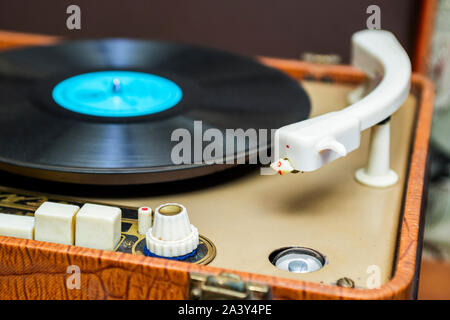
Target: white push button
16,226
98,227
55,222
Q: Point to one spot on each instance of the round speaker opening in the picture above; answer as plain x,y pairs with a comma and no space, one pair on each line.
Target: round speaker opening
297,259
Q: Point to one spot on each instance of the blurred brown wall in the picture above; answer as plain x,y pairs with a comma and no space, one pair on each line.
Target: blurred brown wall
283,28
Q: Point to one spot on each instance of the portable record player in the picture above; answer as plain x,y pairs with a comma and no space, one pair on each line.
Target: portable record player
353,236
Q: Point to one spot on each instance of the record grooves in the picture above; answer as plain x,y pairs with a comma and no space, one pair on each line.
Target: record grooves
118,102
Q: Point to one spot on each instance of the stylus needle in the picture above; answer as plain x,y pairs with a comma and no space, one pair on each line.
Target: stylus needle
282,166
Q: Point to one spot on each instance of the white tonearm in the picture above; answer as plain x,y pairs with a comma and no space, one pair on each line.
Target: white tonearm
312,143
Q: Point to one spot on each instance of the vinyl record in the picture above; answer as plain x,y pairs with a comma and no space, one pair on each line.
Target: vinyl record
104,111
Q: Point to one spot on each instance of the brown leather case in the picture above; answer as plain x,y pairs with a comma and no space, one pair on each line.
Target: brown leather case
38,270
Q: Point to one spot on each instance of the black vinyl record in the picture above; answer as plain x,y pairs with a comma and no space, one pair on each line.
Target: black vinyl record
41,138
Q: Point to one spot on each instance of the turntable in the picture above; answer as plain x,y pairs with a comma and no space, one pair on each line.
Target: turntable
122,165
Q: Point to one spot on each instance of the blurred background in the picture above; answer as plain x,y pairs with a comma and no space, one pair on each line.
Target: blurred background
318,31
284,28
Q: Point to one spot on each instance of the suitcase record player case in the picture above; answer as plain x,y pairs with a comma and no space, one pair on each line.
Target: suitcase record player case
247,219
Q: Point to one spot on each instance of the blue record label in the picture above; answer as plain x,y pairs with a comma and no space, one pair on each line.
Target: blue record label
117,94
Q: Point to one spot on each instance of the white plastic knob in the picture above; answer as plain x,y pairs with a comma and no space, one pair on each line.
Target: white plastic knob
172,234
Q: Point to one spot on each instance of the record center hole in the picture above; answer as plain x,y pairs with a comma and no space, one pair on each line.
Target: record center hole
297,259
170,210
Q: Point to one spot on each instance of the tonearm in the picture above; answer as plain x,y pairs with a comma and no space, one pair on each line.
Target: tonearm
308,145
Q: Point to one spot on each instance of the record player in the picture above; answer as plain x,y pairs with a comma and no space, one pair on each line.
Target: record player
339,218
